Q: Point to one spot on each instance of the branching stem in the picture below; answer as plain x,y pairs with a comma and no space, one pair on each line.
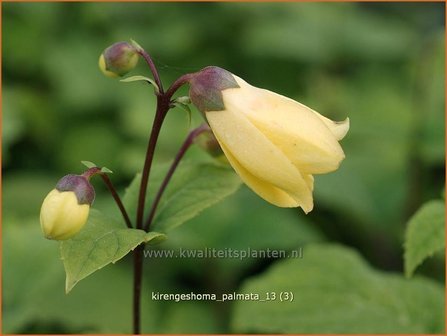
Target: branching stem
163,106
186,144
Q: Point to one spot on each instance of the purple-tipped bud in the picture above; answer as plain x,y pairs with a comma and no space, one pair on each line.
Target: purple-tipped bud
118,59
65,210
84,191
206,88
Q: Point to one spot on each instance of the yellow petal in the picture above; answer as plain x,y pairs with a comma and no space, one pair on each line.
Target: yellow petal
260,157
338,128
295,129
267,191
61,216
309,181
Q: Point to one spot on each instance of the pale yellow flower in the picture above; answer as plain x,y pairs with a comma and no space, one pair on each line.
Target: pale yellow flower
274,143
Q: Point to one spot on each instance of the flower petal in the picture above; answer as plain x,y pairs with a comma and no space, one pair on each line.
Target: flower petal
296,130
266,190
260,157
309,181
61,216
338,128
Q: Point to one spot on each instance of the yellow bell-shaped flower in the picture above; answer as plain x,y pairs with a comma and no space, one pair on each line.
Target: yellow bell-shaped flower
274,143
65,209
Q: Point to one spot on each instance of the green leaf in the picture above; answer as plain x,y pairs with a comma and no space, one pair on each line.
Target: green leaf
154,238
425,235
177,319
185,108
183,100
136,45
87,310
89,164
336,292
193,188
140,78
106,170
102,241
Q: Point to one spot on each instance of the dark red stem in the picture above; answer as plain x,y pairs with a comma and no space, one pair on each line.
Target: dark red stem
91,171
117,199
177,84
160,114
154,71
182,151
96,170
138,274
163,106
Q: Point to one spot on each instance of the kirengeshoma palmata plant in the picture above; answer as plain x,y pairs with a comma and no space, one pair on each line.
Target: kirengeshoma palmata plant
273,143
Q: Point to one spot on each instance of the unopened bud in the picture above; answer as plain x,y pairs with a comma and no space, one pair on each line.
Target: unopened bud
118,59
208,142
65,210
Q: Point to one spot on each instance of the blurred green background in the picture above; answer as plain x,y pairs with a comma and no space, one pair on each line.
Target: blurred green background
380,64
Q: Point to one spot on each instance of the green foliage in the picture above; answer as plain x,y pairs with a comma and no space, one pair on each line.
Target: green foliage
241,221
180,316
193,188
102,241
141,78
336,292
380,64
89,164
36,296
425,235
106,170
182,104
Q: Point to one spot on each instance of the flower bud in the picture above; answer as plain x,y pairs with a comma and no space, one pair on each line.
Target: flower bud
118,59
208,142
65,209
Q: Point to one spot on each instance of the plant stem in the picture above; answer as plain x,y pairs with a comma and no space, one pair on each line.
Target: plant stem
177,84
154,71
96,170
186,144
117,199
91,172
138,274
162,109
163,106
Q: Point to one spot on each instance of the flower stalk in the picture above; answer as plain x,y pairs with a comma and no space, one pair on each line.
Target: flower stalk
180,154
137,277
153,69
117,199
163,106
